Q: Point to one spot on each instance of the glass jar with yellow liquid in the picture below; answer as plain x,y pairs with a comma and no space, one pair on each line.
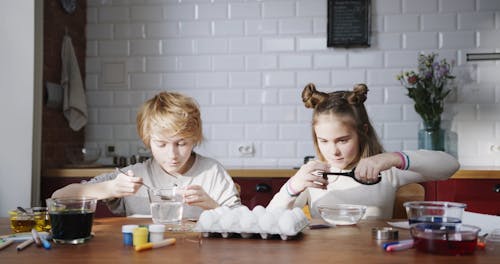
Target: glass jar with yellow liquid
24,221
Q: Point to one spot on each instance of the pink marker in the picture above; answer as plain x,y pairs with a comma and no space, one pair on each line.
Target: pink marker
400,246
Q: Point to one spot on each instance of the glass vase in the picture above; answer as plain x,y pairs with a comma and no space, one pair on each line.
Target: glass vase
431,138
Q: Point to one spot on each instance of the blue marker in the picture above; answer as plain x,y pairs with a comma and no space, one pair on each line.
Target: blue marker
45,243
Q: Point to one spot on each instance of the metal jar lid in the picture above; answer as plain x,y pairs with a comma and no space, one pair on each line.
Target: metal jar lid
384,233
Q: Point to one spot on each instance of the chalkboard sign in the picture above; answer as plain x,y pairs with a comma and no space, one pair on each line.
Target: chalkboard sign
349,23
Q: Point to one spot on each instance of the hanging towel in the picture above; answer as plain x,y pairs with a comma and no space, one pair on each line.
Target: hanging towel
74,101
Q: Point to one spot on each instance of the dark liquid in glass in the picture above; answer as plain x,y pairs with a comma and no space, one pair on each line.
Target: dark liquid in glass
445,247
435,219
71,225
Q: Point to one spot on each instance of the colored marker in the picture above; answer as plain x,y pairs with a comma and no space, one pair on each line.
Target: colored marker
400,246
45,243
25,244
385,245
6,244
36,237
158,244
20,237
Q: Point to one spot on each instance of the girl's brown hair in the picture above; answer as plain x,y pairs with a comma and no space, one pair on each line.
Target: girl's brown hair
171,112
345,104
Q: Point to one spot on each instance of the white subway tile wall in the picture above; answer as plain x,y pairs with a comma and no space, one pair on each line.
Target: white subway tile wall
246,62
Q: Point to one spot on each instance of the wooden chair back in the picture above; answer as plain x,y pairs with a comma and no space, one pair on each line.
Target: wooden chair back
405,193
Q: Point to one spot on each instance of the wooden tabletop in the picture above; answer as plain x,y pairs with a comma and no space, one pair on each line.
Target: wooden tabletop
345,244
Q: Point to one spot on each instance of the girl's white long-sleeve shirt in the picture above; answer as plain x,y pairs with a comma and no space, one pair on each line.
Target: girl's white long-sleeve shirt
424,165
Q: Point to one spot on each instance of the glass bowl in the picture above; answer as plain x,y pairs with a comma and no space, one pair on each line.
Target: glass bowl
83,156
445,238
342,214
434,212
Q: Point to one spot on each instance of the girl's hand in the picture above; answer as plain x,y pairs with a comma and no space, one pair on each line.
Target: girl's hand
368,169
196,196
124,184
308,176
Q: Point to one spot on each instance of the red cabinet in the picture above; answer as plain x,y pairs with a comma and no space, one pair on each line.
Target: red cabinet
258,191
480,195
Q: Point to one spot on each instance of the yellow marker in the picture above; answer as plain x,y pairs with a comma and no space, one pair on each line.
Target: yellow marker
158,244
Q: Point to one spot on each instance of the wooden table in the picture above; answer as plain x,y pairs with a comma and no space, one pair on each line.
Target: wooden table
347,244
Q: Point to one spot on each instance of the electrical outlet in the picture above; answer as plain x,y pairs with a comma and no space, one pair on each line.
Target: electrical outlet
495,148
246,149
110,150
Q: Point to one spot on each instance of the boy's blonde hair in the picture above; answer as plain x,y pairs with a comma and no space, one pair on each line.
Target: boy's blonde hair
348,104
170,112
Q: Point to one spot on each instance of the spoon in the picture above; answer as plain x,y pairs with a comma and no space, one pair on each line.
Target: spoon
145,185
22,210
351,174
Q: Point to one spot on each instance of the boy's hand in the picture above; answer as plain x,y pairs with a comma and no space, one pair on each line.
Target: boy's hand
196,196
124,184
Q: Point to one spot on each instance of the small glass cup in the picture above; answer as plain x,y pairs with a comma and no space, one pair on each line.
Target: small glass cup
71,218
21,221
166,206
492,242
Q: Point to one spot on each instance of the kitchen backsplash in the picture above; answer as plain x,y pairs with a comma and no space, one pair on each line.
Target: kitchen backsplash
246,62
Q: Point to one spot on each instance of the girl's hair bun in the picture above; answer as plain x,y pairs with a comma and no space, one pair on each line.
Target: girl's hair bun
359,94
312,97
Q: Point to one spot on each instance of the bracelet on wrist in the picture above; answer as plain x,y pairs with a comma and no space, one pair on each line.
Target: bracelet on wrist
405,161
290,190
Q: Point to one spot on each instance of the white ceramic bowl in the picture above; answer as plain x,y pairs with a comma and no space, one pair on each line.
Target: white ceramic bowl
342,214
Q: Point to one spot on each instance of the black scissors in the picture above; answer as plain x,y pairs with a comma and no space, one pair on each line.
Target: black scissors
351,174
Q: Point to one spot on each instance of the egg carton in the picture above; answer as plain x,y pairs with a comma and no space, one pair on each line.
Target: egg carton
241,221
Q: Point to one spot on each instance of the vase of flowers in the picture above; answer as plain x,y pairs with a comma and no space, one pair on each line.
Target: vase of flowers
428,88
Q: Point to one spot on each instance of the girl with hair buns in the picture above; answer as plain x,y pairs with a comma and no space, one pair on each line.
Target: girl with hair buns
345,141
169,124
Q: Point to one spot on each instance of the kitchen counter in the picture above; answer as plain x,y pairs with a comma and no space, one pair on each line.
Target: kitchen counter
491,172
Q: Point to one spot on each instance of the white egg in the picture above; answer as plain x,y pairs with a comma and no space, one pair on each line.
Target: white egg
286,223
276,211
206,220
258,211
228,220
248,222
267,222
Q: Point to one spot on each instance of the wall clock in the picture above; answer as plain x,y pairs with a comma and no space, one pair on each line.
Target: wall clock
68,5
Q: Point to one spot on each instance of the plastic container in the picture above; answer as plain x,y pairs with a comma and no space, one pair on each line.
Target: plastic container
434,212
342,214
127,231
140,236
492,242
156,232
445,238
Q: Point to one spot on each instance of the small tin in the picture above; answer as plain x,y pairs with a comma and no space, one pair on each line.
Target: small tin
385,233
